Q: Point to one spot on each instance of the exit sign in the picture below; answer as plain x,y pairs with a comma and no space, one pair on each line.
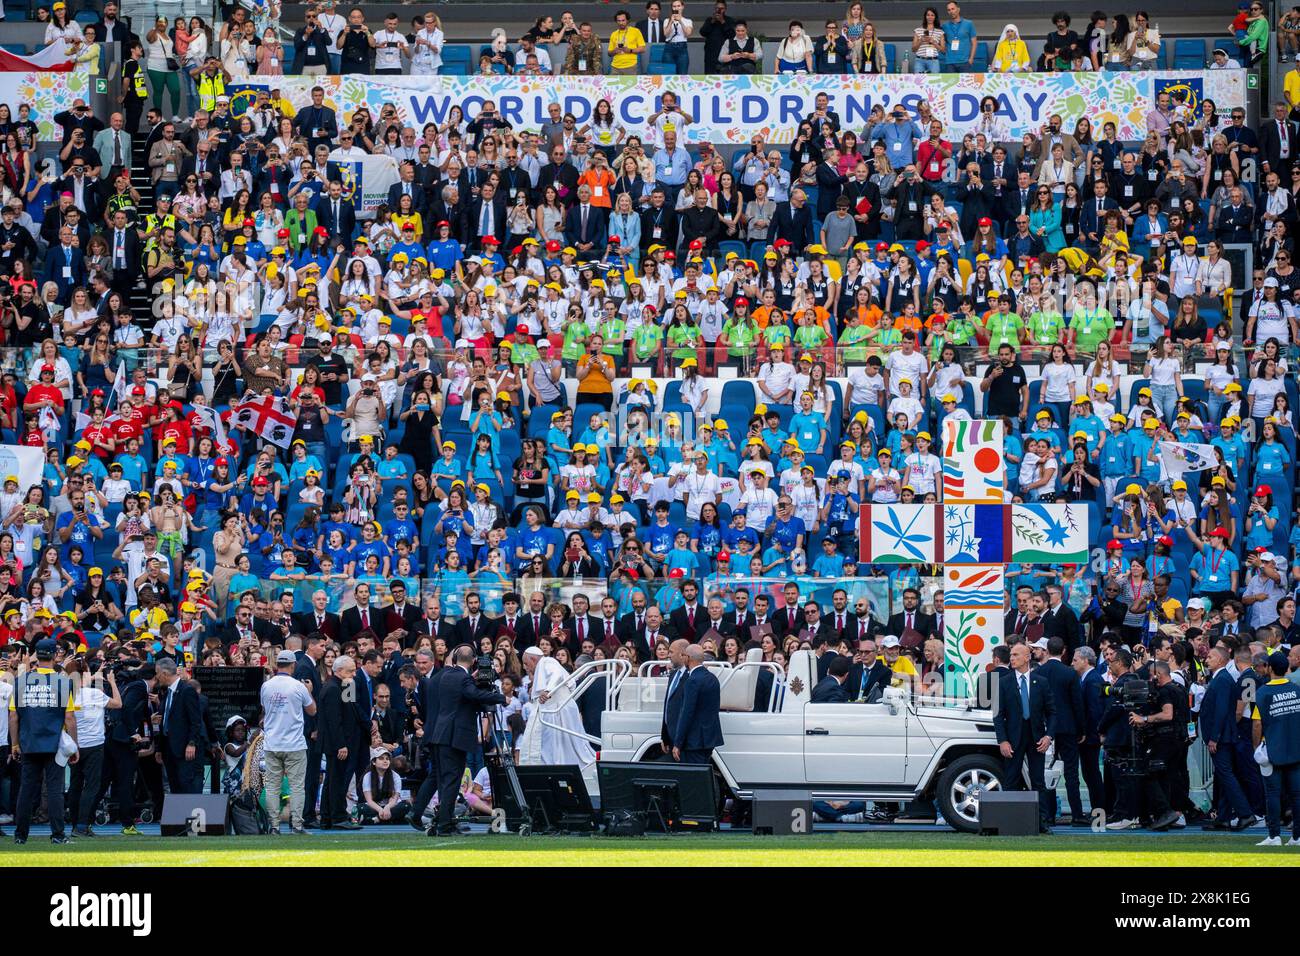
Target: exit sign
1252,81
101,85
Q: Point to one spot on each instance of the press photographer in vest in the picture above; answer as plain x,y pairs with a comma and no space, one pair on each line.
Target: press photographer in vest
41,710
1275,723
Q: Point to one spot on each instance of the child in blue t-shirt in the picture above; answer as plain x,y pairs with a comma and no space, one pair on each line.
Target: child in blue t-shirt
391,467
681,556
829,563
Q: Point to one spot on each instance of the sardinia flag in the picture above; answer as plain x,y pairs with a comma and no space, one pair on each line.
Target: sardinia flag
54,58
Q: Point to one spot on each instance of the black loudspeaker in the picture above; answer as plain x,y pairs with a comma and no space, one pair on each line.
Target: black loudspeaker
1009,813
195,814
782,812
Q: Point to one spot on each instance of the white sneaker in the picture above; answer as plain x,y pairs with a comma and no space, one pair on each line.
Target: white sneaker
1123,825
1270,841
851,818
1293,842
1180,823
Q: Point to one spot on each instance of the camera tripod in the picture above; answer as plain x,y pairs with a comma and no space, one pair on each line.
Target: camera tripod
502,761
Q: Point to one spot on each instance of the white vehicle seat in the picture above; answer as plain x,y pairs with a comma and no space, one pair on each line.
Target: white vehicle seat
642,693
740,684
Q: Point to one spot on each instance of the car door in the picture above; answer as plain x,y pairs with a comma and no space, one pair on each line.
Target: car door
854,744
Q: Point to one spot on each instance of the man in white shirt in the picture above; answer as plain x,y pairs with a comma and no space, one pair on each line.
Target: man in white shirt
285,702
333,24
907,362
528,47
389,46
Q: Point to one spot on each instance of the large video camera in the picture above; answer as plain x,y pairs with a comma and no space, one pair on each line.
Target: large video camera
484,673
1144,753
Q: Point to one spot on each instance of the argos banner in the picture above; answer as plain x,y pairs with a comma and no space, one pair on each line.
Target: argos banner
733,109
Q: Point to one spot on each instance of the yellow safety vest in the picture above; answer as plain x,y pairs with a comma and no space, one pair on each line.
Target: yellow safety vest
139,87
210,87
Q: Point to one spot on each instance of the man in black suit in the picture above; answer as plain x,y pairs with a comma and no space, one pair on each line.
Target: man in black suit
583,625
457,733
123,253
1071,719
1025,732
688,620
1016,619
430,624
740,618
407,186
336,214
629,625
869,674
793,221
655,628
339,727
1059,620
911,617
317,122
319,620
485,215
360,617
673,697
401,618
658,222
126,729
307,671
651,25
426,706
830,689
697,731
1092,220
474,625
184,745
1277,141
586,226
830,183
367,682
1232,625
561,174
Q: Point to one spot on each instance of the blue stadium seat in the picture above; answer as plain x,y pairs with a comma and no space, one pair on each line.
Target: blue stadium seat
981,63
1189,54
457,60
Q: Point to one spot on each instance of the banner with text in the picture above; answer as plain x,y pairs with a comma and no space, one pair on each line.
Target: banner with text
733,109
47,94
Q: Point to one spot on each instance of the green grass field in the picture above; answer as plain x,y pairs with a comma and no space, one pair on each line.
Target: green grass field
404,848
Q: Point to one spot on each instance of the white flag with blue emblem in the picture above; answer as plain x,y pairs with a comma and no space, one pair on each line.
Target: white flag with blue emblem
1180,458
365,181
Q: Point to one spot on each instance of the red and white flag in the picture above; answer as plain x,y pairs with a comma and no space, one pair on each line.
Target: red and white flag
53,59
267,416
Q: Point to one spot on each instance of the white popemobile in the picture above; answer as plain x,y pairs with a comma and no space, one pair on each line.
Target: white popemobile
900,748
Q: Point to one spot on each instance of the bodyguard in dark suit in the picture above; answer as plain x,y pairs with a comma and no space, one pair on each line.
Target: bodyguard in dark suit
427,705
1024,732
1219,730
340,728
698,731
184,746
1067,696
1059,620
473,231
830,689
457,732
673,697
1277,142
585,225
307,672
1093,687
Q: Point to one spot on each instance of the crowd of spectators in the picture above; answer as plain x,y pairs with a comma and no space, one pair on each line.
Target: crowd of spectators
616,359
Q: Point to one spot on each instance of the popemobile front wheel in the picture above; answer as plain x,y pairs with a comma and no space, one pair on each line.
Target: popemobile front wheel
960,787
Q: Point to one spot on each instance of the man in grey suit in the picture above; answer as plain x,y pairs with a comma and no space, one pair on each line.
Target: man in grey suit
113,143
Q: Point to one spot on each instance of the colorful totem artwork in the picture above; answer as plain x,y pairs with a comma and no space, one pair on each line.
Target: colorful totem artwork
974,533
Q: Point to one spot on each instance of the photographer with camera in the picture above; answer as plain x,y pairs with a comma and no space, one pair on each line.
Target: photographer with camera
127,733
461,700
1138,731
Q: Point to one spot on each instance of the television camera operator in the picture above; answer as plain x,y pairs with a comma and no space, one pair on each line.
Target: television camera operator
461,700
1138,727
